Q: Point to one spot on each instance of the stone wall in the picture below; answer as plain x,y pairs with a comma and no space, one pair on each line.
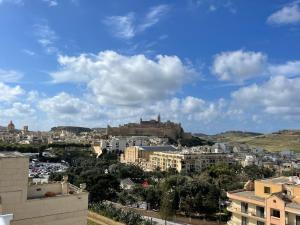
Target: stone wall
172,130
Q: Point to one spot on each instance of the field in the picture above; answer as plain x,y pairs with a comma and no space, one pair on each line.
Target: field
287,139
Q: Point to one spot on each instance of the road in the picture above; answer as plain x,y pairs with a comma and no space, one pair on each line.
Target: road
162,222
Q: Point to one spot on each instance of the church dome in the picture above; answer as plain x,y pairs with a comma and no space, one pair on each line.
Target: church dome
11,126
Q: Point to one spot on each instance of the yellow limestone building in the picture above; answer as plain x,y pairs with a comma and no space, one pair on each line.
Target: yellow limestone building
57,203
274,201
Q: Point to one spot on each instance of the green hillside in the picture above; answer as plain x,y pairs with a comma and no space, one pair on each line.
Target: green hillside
285,139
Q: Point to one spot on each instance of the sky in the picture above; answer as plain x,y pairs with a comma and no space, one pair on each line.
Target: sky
212,65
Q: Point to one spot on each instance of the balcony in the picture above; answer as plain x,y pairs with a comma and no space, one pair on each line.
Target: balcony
250,213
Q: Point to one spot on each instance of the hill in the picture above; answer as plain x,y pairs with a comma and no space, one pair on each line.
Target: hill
71,129
231,136
283,139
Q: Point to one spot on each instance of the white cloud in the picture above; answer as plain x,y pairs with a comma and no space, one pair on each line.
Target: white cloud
19,110
17,2
67,109
10,93
129,25
46,37
289,14
290,68
153,17
122,26
238,65
125,80
64,108
212,5
10,76
278,96
212,8
28,52
33,96
62,104
188,109
51,3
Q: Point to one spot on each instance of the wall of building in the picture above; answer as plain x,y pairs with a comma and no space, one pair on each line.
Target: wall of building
259,188
14,179
43,211
275,203
39,190
135,155
15,196
148,128
186,162
165,161
291,217
296,192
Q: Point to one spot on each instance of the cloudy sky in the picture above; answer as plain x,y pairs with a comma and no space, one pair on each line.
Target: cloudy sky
213,65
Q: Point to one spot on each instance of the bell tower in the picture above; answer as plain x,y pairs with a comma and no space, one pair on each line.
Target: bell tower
158,118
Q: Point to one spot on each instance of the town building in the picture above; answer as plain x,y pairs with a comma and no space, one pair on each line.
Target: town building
274,201
57,203
150,128
186,161
141,154
119,144
25,130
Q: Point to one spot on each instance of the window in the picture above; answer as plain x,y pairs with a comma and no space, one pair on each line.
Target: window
244,207
260,211
267,190
244,221
260,223
275,213
297,220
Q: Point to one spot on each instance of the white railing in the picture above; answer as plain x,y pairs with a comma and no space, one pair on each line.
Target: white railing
73,188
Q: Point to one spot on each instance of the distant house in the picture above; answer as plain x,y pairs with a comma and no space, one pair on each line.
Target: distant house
286,153
126,184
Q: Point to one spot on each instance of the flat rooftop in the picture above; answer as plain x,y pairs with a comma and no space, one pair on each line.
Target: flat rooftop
278,180
158,148
248,194
6,154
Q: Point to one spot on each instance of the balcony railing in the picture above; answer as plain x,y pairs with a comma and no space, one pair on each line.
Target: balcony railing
249,213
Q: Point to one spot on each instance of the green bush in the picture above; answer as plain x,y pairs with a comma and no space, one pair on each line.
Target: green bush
117,214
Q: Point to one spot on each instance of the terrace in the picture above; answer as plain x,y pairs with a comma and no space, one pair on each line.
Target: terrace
53,189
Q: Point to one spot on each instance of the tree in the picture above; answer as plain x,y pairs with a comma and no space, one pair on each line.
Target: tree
153,197
254,172
167,209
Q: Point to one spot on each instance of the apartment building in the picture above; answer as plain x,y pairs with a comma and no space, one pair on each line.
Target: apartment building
140,155
185,161
274,201
57,203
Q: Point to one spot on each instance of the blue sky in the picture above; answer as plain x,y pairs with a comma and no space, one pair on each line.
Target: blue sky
213,65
